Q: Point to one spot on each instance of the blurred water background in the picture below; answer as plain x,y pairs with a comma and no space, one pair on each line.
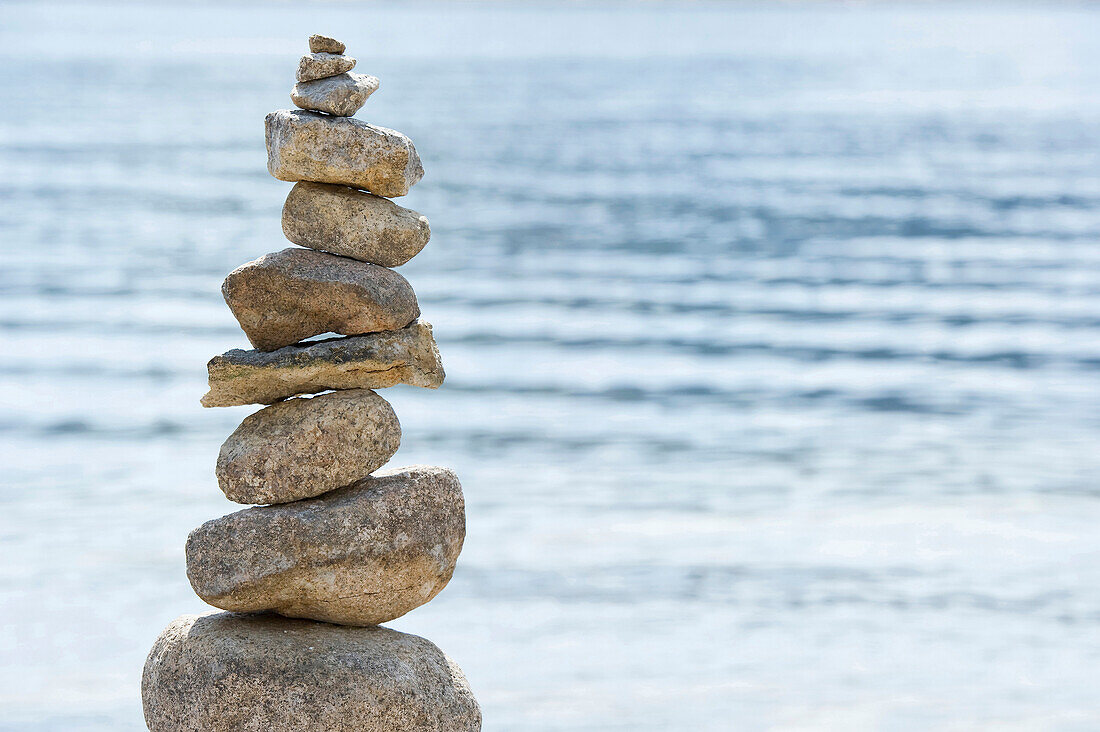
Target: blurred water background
771,335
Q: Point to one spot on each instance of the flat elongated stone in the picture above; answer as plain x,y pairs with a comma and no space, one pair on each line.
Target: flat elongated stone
354,224
361,555
302,448
325,44
284,297
374,361
303,145
225,672
320,65
342,95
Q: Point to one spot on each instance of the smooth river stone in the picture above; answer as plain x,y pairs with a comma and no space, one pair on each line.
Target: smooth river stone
340,95
303,145
374,361
225,672
284,297
354,224
304,447
320,65
361,555
325,44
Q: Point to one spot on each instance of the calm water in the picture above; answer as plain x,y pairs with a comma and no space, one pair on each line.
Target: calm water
772,337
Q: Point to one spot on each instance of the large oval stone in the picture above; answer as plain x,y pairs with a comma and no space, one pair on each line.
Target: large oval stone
304,447
360,555
225,672
284,297
303,145
354,224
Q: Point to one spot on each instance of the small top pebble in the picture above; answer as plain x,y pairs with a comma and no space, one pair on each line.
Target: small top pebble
324,44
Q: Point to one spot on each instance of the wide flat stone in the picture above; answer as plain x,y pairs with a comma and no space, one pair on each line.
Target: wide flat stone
325,44
319,65
354,224
373,361
284,297
361,555
304,447
303,145
225,672
342,95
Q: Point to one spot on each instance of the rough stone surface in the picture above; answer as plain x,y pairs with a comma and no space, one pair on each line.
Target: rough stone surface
225,672
341,95
374,361
353,224
325,44
284,297
320,65
361,555
303,145
302,448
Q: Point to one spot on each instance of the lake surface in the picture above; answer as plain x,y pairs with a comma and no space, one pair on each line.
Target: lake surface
772,336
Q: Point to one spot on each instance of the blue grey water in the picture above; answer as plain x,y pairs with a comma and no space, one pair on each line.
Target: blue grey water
772,336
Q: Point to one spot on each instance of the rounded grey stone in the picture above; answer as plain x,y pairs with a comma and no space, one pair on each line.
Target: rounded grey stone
354,224
284,297
225,672
341,95
320,65
304,447
360,555
304,145
325,44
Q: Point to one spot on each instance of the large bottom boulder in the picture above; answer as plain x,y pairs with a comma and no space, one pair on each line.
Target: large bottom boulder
225,672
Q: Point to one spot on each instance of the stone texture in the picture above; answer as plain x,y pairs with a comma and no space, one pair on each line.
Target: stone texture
320,65
325,44
224,672
303,145
361,555
354,224
374,361
302,448
284,297
341,95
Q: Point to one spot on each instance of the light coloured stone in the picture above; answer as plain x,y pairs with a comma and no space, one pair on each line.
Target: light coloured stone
303,145
320,65
354,224
225,672
304,447
325,44
284,297
373,361
361,555
342,95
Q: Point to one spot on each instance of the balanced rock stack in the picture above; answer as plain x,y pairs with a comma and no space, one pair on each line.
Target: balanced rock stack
331,548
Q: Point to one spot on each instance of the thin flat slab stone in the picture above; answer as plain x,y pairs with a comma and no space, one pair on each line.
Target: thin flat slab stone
225,672
353,223
303,145
320,65
285,297
341,95
360,555
325,44
302,448
374,361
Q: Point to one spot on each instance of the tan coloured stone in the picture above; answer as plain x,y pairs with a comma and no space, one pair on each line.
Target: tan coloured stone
304,447
319,65
303,145
373,361
325,44
225,672
361,555
284,297
342,95
354,224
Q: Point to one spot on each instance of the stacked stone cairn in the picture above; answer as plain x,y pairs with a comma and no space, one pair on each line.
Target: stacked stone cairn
330,548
